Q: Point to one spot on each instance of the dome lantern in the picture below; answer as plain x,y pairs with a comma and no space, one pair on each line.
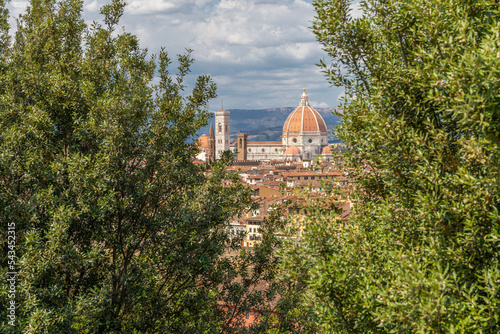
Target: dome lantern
303,101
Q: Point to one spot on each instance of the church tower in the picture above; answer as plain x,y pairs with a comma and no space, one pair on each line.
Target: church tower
221,132
211,144
242,146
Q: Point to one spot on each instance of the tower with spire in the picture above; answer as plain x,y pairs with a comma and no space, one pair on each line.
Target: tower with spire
211,144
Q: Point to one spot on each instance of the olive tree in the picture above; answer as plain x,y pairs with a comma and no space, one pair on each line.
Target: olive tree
421,119
116,229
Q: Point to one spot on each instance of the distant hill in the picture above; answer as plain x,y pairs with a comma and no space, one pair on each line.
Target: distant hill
267,124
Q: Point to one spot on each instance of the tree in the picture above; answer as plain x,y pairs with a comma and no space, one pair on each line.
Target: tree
421,118
116,229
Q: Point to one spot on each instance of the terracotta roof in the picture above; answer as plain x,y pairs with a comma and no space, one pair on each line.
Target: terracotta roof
304,118
292,150
236,167
259,143
202,142
326,150
273,183
311,173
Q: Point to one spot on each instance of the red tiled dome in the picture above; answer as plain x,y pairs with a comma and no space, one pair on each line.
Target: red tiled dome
292,150
304,118
202,142
326,150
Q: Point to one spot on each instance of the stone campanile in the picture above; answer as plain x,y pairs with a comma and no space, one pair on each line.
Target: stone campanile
242,146
221,132
211,144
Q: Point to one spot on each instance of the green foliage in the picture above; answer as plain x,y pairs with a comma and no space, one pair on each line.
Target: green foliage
421,116
116,229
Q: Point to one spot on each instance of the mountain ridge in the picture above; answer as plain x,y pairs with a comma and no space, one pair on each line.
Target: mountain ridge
267,124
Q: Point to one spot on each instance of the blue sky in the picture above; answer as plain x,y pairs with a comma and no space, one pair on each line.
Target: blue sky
260,53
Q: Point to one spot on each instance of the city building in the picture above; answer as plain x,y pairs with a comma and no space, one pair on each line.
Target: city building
305,136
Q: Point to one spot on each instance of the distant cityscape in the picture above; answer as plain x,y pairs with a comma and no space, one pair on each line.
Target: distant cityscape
267,124
278,161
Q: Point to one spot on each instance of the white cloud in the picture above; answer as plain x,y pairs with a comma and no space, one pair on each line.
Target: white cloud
261,53
319,104
153,6
92,6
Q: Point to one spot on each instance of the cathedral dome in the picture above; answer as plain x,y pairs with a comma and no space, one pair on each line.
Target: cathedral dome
304,118
202,142
292,150
326,150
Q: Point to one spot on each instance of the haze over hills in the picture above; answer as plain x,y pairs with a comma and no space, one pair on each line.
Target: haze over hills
267,124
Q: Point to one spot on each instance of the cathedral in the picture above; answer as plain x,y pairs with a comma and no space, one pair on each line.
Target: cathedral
304,136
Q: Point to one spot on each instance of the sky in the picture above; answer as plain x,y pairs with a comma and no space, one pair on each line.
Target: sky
260,53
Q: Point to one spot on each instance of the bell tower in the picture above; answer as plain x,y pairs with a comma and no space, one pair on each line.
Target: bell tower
211,144
221,132
242,146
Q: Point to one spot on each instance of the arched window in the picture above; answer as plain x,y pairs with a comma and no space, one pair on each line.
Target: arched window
220,127
241,143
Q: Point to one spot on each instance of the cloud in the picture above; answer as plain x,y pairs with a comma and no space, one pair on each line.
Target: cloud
92,6
248,30
261,53
156,7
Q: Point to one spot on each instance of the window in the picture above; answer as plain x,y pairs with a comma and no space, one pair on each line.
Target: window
310,141
294,140
241,143
226,127
262,150
220,127
306,177
249,150
275,150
